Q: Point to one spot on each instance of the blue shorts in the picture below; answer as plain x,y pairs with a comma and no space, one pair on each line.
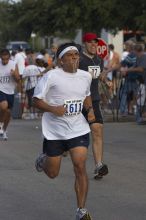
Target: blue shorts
8,98
56,147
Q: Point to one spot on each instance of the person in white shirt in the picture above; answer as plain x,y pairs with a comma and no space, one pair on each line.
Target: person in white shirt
61,94
31,75
20,58
9,76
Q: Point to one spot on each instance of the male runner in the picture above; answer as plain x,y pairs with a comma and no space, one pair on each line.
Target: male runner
61,94
89,61
8,77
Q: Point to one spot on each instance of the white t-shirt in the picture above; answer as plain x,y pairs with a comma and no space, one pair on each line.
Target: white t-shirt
7,82
124,55
20,60
31,74
70,89
32,70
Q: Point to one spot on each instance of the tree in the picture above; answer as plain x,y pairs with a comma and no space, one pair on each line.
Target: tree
63,17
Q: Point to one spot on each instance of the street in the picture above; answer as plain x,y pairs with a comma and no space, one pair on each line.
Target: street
26,194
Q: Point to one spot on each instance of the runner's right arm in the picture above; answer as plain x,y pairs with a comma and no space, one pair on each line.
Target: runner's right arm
56,110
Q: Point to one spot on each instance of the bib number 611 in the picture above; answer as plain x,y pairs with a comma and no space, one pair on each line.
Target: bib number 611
73,107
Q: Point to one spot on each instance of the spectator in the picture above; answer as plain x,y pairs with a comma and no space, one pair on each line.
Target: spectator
140,67
112,67
129,84
141,96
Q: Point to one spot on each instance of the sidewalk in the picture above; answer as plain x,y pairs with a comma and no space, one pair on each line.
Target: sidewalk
116,117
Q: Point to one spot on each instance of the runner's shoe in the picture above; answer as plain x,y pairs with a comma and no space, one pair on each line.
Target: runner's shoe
5,137
83,214
100,171
40,161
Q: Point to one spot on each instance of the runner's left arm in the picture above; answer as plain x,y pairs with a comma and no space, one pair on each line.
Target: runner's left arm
89,108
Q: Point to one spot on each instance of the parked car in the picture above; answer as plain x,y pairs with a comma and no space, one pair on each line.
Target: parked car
15,45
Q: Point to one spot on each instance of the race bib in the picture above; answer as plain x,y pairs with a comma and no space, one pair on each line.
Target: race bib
94,71
5,79
73,107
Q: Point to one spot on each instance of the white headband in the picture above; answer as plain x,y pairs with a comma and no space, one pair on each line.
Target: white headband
66,50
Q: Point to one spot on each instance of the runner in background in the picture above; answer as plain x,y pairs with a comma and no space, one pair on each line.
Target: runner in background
30,57
31,75
20,59
9,77
54,48
47,58
89,61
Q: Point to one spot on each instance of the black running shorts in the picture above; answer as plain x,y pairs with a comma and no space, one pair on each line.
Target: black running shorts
57,147
97,112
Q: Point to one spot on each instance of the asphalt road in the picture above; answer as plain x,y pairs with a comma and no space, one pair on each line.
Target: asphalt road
28,195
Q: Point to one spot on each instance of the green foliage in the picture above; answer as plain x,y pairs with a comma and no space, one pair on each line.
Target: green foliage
64,17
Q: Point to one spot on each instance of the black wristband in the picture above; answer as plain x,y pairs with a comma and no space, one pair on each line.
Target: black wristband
92,122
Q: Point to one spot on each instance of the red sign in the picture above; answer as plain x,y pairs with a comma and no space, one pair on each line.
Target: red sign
102,48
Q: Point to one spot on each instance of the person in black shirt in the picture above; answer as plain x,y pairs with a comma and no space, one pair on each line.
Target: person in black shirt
89,61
